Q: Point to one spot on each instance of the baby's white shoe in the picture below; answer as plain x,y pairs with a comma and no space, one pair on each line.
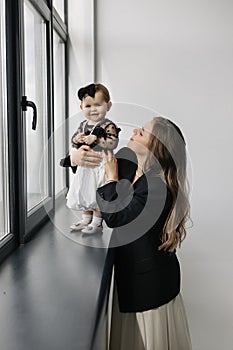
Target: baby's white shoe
78,226
92,228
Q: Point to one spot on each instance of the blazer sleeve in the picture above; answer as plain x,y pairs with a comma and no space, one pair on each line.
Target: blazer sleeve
65,162
117,201
120,203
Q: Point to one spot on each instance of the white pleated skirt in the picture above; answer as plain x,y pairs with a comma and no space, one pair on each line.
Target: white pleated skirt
163,328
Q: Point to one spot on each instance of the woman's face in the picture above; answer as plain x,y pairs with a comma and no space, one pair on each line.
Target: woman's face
140,139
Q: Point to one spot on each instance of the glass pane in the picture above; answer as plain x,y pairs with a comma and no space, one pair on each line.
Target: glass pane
59,109
36,91
60,6
4,208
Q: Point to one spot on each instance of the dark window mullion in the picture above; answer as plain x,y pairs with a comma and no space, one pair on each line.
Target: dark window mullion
59,25
51,108
42,8
15,122
62,30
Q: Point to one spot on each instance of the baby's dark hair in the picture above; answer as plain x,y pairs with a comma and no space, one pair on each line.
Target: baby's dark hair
104,90
91,89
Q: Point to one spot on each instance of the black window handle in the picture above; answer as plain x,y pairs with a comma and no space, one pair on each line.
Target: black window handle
25,103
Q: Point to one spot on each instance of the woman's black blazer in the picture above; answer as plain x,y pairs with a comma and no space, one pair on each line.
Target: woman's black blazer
146,278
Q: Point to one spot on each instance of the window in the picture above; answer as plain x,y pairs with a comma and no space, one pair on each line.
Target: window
27,157
4,208
36,90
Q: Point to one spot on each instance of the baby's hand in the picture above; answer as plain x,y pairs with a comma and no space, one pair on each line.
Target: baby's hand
89,139
79,138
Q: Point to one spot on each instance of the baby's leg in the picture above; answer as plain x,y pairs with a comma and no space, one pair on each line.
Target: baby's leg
86,219
97,213
97,218
87,216
96,223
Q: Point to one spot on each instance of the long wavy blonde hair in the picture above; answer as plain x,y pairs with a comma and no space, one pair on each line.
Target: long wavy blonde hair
167,147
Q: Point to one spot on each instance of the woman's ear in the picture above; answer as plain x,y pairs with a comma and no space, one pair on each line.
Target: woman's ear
109,105
81,106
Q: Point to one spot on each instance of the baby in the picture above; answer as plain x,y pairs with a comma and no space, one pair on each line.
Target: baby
99,133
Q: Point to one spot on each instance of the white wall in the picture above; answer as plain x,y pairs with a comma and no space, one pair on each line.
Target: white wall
176,57
81,54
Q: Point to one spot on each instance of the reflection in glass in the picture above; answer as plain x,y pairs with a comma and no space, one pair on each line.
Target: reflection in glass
36,91
59,110
4,207
60,8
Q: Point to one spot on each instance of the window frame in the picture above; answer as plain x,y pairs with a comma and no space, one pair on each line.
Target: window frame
61,29
4,123
17,207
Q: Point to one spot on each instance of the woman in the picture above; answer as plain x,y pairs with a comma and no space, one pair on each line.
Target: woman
148,217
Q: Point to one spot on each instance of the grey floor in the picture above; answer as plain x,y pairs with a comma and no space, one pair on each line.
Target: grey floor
50,289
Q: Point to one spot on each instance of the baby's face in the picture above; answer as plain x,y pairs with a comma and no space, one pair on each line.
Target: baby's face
95,108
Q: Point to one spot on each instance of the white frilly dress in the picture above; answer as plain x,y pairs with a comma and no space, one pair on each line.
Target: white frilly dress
82,191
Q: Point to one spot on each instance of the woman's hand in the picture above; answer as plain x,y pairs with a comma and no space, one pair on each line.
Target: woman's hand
85,156
111,166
